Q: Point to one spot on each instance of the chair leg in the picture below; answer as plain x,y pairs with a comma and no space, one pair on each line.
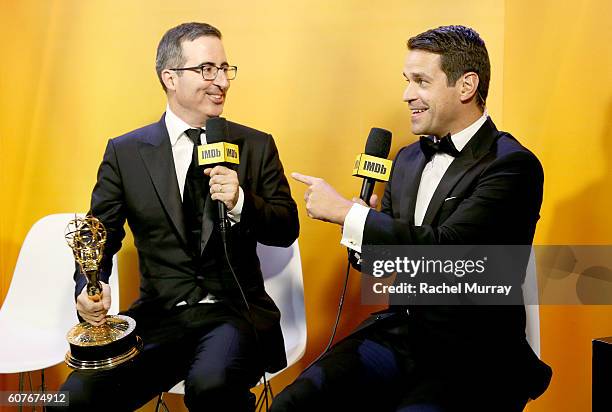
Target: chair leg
270,390
42,386
262,401
20,388
31,389
161,403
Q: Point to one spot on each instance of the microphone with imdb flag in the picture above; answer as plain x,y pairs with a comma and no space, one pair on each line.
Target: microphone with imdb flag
373,165
218,151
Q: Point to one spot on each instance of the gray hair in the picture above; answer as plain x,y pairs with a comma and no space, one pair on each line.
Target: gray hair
170,49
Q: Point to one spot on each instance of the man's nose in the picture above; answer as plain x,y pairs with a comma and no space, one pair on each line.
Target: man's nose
409,93
221,80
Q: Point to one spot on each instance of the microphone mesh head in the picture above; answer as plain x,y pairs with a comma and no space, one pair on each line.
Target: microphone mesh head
216,130
378,143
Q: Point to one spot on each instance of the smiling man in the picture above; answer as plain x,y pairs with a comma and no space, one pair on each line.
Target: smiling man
190,313
465,183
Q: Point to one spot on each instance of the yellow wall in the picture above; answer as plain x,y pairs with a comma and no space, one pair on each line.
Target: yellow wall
317,74
558,101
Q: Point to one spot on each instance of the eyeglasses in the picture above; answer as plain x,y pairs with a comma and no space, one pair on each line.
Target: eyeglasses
210,71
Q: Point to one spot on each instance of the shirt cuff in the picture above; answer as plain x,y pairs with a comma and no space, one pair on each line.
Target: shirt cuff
352,232
234,214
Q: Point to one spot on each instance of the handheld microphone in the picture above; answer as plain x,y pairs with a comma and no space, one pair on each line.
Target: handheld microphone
373,165
218,151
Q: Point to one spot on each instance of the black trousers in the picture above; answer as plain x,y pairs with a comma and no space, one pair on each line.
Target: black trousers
357,374
207,345
376,369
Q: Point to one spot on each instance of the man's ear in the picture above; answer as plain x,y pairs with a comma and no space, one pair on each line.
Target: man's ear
168,77
468,86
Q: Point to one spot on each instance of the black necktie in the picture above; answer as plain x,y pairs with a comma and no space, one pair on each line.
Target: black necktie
194,194
194,197
194,136
443,145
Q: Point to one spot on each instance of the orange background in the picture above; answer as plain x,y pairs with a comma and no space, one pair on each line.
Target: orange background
317,75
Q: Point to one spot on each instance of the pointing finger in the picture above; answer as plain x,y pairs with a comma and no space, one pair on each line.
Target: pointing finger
303,178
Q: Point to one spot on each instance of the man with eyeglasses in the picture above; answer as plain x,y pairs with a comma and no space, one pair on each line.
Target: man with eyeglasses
190,313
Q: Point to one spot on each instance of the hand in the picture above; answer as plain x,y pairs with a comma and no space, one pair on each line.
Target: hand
223,185
323,202
373,201
94,312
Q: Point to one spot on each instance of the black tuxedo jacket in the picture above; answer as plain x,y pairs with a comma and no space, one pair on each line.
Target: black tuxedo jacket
137,182
490,195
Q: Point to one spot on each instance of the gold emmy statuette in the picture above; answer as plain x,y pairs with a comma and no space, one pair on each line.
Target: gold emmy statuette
114,342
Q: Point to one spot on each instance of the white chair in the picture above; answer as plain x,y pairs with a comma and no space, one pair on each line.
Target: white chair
282,272
532,307
39,308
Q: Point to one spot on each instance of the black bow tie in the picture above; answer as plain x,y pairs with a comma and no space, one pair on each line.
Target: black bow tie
443,145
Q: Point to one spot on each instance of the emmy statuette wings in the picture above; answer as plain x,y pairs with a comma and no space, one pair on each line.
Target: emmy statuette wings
114,342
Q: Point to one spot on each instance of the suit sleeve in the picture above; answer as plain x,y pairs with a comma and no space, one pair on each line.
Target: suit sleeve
107,204
507,193
269,212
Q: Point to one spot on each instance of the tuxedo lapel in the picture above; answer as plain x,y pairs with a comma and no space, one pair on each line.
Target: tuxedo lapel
453,174
478,146
156,154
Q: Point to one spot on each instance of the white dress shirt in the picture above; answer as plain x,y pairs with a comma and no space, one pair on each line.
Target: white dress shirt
352,231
